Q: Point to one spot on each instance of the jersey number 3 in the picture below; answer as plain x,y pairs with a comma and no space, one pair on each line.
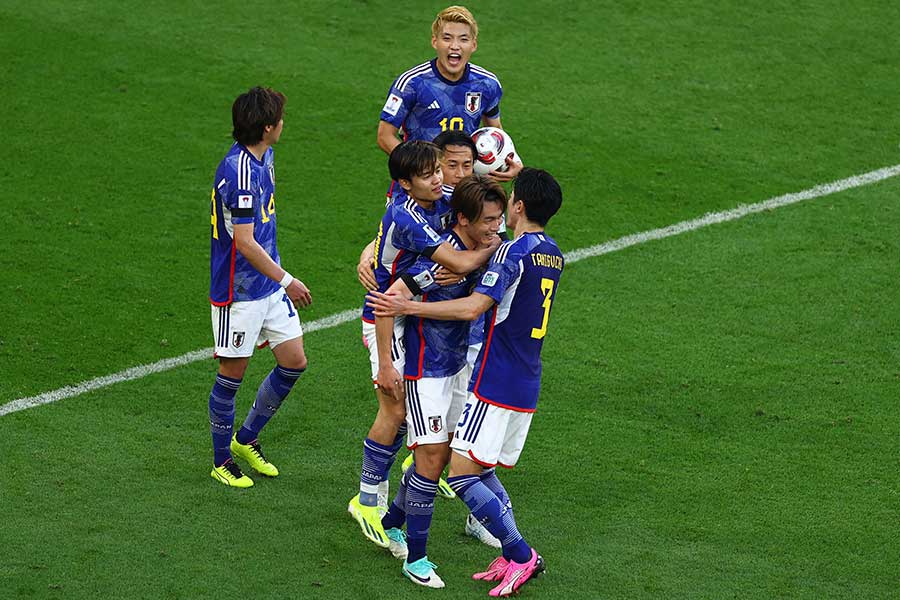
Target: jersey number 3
547,289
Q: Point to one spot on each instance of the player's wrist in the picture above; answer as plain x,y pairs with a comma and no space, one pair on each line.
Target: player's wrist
287,280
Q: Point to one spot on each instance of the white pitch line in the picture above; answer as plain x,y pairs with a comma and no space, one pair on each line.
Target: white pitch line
741,211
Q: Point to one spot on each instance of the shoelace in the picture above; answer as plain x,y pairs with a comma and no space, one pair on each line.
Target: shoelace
232,468
258,450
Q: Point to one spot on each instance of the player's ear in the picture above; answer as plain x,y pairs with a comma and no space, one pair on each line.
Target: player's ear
434,42
406,184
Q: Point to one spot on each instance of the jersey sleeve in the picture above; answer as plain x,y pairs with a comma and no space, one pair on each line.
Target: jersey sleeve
493,101
240,200
420,277
413,234
398,104
502,271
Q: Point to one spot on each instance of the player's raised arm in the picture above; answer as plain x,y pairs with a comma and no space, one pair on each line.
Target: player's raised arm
462,309
250,249
465,261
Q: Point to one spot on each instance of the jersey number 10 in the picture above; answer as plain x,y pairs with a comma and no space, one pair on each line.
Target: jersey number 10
456,124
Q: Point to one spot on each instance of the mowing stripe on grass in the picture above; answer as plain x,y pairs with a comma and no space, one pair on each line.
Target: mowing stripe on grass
571,257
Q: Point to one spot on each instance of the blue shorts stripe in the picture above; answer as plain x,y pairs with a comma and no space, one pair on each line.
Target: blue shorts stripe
477,420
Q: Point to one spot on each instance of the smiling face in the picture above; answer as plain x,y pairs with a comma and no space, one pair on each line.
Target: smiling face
454,45
457,162
483,229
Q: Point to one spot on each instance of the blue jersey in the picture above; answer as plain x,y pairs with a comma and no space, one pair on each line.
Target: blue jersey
406,231
423,103
243,192
522,278
435,348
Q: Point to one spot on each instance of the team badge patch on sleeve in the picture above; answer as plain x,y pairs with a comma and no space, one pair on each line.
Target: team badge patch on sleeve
245,201
489,279
423,279
392,105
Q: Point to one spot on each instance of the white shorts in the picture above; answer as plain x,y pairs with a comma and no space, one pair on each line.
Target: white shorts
398,348
433,406
240,327
491,435
472,354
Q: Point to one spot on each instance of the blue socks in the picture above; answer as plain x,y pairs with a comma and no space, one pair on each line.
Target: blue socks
272,391
420,494
376,459
395,448
396,514
377,462
494,514
490,479
221,417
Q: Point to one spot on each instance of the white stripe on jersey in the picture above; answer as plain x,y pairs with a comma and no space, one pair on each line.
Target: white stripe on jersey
485,72
243,171
410,207
405,78
508,297
502,251
221,183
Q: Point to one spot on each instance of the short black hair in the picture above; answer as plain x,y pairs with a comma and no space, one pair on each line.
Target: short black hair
452,137
413,157
540,193
471,194
253,111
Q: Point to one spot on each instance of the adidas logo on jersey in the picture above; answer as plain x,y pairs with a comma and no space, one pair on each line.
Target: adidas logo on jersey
434,105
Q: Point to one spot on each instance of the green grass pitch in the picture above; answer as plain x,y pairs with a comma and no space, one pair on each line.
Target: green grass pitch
718,416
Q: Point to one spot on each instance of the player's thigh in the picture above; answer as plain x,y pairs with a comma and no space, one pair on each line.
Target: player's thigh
514,440
281,322
236,327
459,395
398,349
427,407
480,431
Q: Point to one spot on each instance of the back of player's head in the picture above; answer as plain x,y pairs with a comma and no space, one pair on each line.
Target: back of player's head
473,192
413,157
454,14
540,193
451,137
252,111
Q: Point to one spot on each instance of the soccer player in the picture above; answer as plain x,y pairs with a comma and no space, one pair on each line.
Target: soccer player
517,292
407,230
436,380
445,93
253,298
458,154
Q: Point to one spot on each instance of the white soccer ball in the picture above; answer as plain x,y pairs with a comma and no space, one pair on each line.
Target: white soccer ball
493,146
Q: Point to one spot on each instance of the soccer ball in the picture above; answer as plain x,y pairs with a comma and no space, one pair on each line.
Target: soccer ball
493,146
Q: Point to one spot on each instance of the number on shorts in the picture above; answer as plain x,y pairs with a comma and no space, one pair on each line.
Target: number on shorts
290,304
465,416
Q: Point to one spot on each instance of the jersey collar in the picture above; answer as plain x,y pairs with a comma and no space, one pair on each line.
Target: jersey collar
437,73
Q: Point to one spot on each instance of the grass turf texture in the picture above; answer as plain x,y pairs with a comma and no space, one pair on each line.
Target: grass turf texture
728,423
